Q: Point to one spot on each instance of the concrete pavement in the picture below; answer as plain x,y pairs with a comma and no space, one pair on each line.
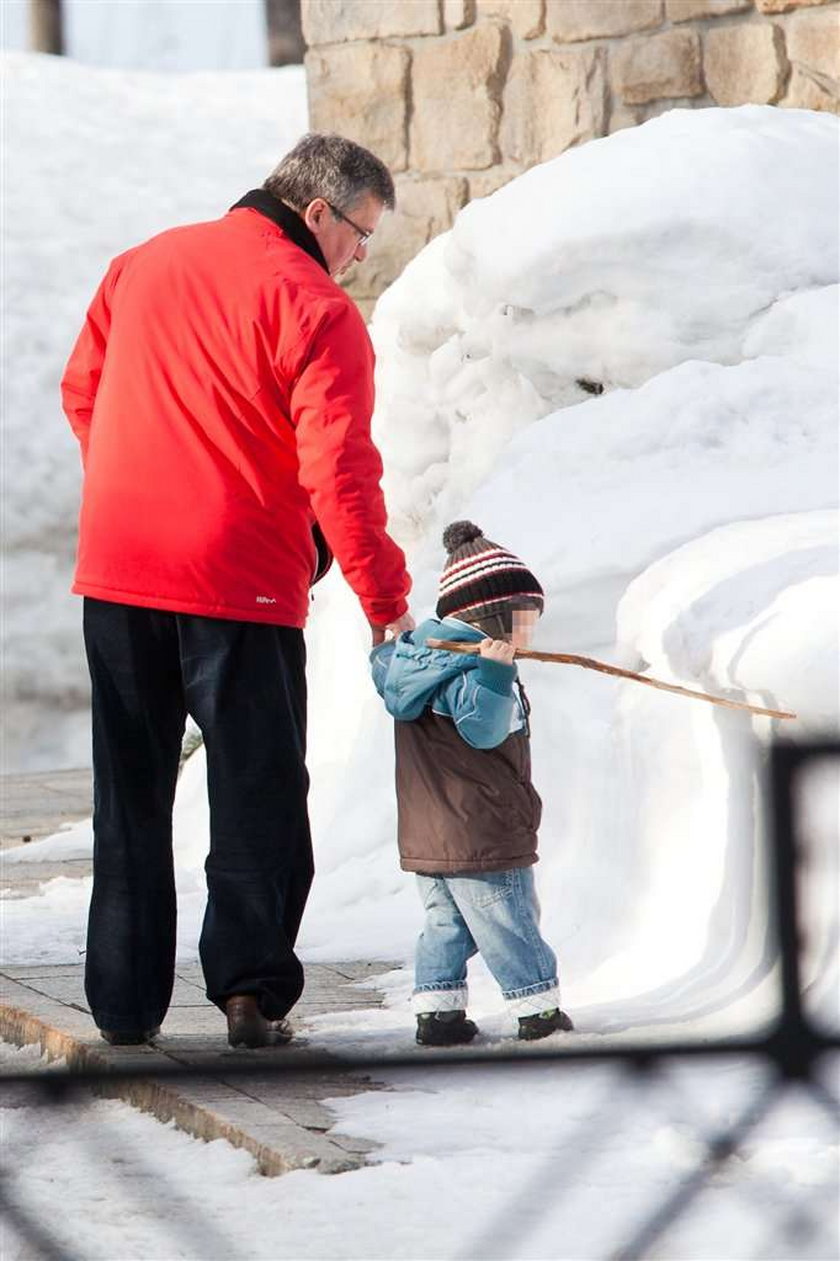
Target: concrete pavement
280,1119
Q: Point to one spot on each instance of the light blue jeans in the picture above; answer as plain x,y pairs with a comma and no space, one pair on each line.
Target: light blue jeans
495,914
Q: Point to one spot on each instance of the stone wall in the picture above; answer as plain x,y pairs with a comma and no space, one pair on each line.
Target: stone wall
459,96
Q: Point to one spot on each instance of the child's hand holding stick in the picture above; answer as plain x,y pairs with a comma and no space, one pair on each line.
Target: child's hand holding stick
494,650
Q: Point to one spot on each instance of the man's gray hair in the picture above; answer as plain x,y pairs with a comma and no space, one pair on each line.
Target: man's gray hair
329,166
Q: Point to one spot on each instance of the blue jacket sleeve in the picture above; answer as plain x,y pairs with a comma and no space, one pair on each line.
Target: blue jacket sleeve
380,659
481,703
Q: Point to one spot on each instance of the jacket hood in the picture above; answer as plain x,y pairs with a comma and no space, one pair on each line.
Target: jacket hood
417,672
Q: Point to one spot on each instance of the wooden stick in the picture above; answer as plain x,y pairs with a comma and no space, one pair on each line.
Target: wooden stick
589,663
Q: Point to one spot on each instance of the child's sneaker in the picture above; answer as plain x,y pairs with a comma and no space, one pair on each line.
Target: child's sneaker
445,1028
544,1023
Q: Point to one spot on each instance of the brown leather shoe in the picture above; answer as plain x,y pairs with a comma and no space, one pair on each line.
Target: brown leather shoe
247,1026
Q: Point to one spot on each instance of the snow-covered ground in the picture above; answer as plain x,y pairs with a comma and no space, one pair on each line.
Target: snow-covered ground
683,522
548,1166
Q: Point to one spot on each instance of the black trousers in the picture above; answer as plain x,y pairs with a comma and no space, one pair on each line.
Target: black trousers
244,685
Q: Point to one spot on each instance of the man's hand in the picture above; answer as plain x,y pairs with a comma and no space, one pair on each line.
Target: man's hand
497,650
404,623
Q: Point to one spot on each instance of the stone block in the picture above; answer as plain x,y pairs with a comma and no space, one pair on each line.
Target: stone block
813,44
685,10
785,6
483,183
455,86
526,18
361,91
358,1146
657,108
458,14
744,65
425,207
570,20
655,67
803,92
335,21
623,116
553,99
430,203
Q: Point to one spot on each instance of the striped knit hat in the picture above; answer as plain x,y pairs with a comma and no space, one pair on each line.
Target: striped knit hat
480,577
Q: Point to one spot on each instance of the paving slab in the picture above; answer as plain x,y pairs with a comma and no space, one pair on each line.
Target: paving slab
281,1120
35,805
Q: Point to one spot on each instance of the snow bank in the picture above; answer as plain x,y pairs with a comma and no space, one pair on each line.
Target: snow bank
752,606
611,263
94,161
649,264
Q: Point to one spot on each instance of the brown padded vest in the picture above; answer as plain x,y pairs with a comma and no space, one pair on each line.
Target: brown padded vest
462,809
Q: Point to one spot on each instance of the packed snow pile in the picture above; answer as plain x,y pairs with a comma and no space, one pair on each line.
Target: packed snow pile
681,522
95,161
740,625
658,246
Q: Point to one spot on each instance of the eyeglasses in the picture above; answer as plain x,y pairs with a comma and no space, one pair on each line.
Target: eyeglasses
364,233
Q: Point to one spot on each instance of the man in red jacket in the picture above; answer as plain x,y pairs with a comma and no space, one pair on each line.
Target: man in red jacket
221,391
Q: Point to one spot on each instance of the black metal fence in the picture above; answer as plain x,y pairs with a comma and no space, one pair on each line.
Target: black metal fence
796,1049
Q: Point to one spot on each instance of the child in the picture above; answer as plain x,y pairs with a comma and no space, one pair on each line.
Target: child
468,814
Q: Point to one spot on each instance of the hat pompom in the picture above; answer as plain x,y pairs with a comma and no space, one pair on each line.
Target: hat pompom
459,533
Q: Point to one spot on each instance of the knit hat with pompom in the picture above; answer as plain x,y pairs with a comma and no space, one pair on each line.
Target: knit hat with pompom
480,577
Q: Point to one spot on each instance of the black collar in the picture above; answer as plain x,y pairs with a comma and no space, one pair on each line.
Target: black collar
287,219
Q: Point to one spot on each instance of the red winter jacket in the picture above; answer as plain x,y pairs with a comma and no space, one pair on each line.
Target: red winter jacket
221,390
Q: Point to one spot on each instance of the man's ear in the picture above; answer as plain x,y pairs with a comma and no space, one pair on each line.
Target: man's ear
314,213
